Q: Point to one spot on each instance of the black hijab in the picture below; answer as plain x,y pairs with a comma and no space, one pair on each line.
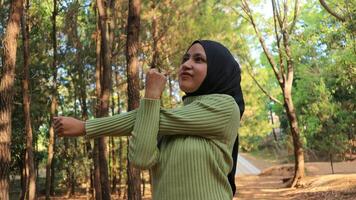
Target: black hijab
223,77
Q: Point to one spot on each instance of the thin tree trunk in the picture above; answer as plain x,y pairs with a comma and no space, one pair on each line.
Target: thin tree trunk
272,122
97,182
155,57
120,149
29,163
6,93
23,178
121,155
113,154
289,107
297,143
50,166
284,76
67,168
104,95
113,151
132,45
331,163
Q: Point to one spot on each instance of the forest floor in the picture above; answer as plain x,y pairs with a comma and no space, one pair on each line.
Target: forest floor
320,183
318,187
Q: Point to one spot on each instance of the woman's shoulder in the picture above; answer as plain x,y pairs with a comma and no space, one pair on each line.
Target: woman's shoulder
220,99
219,96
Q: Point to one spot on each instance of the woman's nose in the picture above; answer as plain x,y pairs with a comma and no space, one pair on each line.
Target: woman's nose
187,65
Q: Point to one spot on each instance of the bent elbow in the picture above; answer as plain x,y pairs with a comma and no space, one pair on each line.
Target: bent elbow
143,162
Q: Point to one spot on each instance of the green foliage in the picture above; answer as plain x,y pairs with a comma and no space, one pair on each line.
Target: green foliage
325,81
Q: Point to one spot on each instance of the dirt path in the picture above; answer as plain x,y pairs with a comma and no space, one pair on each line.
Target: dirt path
261,187
320,184
318,187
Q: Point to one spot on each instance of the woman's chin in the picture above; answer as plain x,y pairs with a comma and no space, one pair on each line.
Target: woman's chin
186,89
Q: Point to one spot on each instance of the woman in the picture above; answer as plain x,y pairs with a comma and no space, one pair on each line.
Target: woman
191,150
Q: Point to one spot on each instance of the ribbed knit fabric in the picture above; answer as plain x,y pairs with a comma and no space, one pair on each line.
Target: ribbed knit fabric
193,157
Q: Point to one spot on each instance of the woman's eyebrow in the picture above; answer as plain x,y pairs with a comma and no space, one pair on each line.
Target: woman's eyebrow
199,55
186,54
194,55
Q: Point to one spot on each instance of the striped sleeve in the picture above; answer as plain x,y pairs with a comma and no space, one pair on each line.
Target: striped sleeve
206,118
143,150
117,125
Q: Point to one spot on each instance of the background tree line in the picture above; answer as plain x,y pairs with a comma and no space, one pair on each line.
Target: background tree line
87,59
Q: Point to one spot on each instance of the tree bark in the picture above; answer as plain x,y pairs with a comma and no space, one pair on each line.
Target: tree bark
51,145
6,93
97,182
155,57
331,163
297,143
132,45
105,79
29,163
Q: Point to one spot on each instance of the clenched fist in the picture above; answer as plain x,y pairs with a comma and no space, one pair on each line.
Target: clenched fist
155,83
68,127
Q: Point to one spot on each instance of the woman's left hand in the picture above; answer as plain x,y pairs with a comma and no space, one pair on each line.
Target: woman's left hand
155,83
68,126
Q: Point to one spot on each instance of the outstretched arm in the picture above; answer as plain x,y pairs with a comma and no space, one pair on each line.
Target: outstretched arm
117,125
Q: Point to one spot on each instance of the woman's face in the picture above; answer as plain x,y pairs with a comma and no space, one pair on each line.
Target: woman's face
193,69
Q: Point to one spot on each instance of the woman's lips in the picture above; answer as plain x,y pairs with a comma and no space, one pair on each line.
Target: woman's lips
185,75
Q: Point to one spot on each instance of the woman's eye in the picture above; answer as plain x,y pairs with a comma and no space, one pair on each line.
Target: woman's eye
185,58
199,59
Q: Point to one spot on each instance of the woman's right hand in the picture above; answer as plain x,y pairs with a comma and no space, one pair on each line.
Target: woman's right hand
68,127
155,83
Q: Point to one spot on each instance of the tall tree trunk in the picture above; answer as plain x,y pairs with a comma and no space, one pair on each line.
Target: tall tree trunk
105,79
155,57
97,182
132,45
50,166
29,164
6,93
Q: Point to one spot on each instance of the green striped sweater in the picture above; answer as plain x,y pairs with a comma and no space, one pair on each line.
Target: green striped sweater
193,157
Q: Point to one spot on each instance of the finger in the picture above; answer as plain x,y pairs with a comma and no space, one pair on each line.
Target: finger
155,70
164,72
56,120
57,132
56,128
60,132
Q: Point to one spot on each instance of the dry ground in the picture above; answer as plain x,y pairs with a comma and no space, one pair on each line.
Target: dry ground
320,184
319,187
